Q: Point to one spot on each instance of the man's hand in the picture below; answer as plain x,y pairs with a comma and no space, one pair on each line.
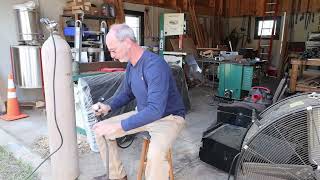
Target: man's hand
107,129
100,108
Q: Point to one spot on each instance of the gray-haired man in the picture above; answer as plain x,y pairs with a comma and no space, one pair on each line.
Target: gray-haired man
160,109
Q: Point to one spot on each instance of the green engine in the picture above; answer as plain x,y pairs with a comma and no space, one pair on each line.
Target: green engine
235,80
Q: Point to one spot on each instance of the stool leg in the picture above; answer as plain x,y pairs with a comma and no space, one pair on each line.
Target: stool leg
143,156
169,157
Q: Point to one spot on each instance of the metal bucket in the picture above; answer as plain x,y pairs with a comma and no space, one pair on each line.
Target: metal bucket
28,27
26,62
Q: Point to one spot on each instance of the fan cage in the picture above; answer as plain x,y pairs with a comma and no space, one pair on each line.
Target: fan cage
286,145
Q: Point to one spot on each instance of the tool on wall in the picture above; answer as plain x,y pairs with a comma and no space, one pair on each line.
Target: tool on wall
243,29
291,21
312,17
319,22
298,9
293,11
307,16
249,30
147,25
302,17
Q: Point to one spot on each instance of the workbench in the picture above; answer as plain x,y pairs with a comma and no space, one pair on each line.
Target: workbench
299,63
209,68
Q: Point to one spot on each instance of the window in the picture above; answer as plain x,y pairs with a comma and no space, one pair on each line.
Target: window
135,20
267,27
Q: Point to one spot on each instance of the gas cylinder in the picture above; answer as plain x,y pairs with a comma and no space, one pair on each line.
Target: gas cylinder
58,88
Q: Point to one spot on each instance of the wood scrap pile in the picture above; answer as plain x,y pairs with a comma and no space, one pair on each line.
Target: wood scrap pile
204,35
313,82
80,7
195,23
209,52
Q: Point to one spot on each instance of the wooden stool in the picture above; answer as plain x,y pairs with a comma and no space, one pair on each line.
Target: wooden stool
143,158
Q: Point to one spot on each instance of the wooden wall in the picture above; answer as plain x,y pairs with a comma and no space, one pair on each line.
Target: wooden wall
231,8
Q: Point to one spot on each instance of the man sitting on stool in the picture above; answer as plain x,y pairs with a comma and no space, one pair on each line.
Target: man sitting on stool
160,109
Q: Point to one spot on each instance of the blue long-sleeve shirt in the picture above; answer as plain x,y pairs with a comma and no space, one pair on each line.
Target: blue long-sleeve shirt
151,83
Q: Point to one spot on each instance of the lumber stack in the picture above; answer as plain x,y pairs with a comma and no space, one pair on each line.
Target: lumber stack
80,7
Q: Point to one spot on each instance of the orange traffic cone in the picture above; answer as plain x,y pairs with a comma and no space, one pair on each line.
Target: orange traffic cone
13,110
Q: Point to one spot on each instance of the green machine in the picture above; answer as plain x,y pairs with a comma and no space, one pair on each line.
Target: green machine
171,24
234,80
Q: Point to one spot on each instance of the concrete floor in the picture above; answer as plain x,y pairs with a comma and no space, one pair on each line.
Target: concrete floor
187,165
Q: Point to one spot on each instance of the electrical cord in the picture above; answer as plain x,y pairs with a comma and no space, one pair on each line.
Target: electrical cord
54,111
125,139
229,174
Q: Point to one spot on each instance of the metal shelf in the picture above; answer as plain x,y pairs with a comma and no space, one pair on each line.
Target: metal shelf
88,16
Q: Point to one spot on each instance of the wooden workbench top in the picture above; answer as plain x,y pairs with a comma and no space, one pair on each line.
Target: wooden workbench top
309,62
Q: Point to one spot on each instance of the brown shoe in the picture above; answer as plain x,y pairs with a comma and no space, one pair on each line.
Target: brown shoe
104,177
124,178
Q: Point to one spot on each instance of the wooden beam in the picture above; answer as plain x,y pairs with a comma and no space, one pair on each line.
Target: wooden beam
228,8
211,3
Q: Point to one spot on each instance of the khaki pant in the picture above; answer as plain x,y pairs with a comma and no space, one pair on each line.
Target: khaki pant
163,132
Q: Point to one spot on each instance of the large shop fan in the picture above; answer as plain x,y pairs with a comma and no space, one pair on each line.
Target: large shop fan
284,143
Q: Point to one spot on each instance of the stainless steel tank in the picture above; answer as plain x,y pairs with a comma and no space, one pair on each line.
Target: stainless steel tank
28,28
26,62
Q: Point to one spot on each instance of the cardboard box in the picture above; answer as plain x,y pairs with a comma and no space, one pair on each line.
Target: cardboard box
95,11
84,8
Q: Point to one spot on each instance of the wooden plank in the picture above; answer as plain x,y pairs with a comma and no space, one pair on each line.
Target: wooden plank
244,7
202,3
260,7
248,8
220,10
304,5
252,7
95,66
211,3
185,5
232,8
315,5
284,43
304,88
203,10
309,62
285,6
227,8
199,37
172,3
61,26
188,45
119,11
293,77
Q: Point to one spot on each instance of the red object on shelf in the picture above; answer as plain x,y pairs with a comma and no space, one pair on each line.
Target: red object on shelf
272,71
112,70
